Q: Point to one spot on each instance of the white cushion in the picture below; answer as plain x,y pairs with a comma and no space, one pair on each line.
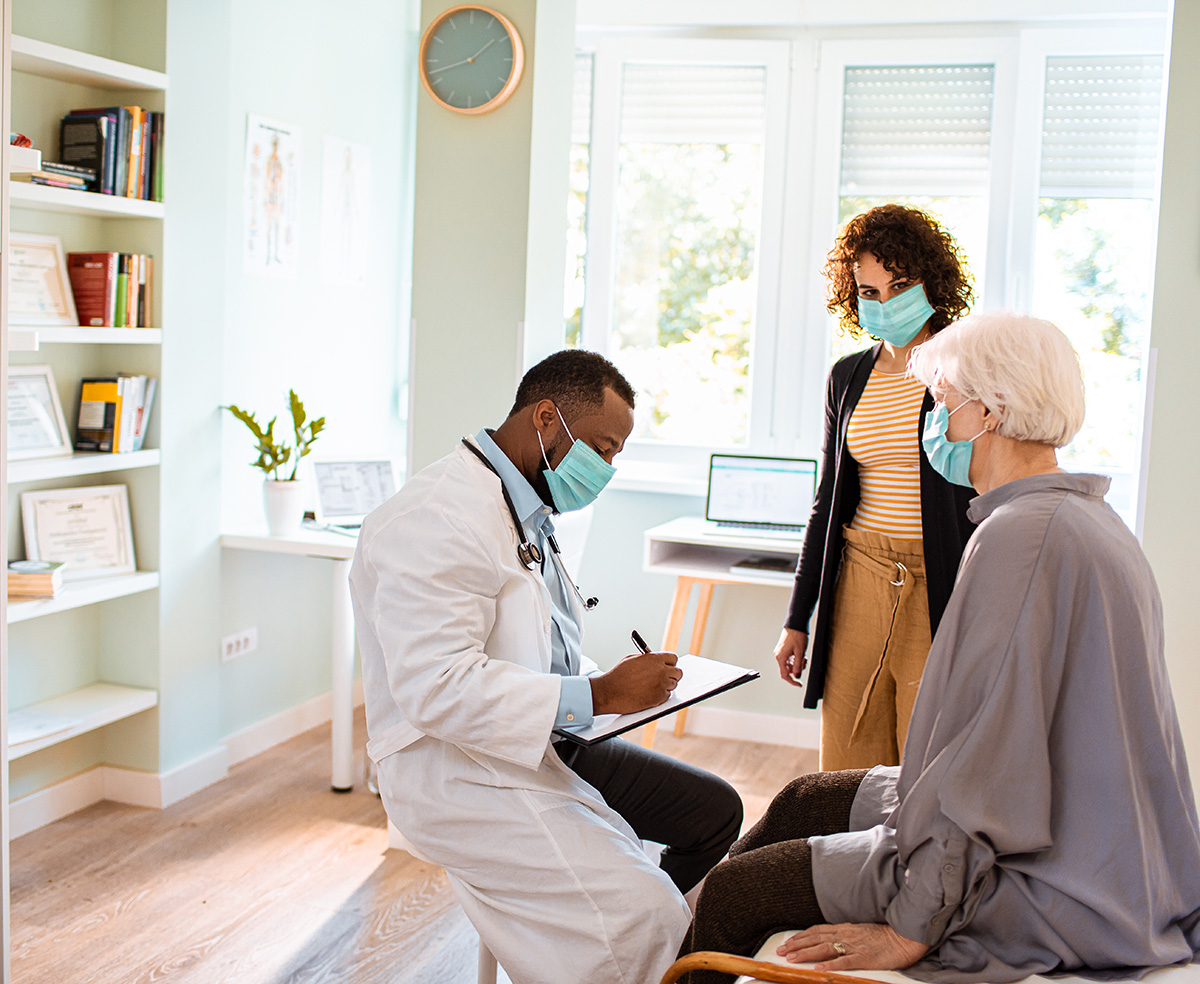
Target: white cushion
1186,974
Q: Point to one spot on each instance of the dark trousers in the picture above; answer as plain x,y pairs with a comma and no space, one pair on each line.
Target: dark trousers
766,884
695,814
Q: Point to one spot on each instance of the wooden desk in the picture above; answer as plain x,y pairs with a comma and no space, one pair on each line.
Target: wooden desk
340,549
699,558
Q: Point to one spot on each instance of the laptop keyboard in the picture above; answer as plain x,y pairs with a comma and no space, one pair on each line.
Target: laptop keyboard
777,527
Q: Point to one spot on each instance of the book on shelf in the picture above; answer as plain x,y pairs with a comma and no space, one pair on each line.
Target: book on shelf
35,578
122,144
114,412
112,290
60,176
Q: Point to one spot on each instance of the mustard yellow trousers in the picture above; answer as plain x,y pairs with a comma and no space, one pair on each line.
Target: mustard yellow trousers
878,642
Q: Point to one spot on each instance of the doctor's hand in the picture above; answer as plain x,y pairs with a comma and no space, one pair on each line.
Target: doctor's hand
789,654
637,682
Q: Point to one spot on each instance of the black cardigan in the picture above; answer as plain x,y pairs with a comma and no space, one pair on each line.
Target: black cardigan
944,523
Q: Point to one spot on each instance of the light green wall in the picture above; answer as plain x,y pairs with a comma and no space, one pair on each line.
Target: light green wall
1172,528
471,236
342,70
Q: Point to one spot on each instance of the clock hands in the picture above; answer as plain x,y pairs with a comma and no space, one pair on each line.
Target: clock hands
465,61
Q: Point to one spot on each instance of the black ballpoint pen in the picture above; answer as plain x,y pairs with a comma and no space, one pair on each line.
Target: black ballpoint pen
639,641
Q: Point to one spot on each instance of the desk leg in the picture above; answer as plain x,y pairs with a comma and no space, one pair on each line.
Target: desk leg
683,591
343,680
703,604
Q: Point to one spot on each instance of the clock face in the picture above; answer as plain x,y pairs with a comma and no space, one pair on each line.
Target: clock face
471,59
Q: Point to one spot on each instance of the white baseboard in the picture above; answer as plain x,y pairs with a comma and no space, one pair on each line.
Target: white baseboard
157,790
770,729
281,727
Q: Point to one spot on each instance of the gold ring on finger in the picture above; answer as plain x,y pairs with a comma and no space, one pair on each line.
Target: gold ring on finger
839,948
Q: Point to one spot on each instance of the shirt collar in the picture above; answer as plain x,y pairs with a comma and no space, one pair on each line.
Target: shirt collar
528,504
1079,483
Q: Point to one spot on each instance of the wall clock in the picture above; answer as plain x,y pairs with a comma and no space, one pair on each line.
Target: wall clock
471,58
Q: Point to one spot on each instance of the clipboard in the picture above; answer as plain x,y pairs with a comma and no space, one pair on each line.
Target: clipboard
702,678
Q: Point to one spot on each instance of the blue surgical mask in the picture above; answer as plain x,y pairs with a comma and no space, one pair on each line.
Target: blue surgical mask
579,477
950,459
899,319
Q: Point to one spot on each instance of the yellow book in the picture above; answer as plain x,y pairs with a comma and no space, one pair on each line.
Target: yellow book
99,414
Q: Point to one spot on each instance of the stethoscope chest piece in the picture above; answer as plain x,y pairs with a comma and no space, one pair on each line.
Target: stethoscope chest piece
529,554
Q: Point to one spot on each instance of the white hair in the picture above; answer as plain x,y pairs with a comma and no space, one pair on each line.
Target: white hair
1023,369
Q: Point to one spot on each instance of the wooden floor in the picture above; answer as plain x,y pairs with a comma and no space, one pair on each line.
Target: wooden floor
269,877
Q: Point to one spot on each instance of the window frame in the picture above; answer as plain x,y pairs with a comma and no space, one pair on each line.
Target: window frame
790,351
610,55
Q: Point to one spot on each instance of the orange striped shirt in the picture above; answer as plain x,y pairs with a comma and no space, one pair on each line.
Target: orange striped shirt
882,438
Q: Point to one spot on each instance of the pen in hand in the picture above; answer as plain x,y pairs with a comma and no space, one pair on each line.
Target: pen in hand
639,641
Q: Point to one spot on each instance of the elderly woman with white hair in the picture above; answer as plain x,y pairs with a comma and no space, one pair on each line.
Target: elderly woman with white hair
1042,818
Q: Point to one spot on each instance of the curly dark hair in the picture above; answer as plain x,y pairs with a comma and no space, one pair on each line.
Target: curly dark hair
575,379
909,243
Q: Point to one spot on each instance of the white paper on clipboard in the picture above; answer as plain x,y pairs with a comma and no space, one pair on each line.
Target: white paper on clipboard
702,678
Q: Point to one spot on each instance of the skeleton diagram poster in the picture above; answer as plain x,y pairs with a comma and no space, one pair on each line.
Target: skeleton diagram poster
270,187
345,195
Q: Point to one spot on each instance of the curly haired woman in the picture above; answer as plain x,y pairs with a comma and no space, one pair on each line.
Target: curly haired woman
886,532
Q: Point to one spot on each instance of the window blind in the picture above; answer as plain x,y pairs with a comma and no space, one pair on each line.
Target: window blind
581,108
1100,127
682,104
916,130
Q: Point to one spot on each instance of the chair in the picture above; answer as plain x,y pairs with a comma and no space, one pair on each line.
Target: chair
754,970
766,965
487,962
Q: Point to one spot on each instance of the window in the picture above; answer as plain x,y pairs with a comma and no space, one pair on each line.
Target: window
1095,242
718,173
577,199
919,135
682,174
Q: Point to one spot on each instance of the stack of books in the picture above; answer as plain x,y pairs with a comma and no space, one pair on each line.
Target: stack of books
113,412
122,144
61,176
34,578
112,290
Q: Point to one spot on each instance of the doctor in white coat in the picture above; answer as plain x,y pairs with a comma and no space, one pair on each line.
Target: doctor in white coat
470,632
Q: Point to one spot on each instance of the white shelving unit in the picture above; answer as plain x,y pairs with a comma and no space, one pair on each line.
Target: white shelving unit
78,712
78,594
61,717
80,463
23,338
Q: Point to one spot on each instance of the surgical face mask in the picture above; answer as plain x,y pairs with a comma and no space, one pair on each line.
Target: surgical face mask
950,459
898,319
579,477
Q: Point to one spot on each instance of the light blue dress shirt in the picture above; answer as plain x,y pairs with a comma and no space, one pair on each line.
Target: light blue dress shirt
566,636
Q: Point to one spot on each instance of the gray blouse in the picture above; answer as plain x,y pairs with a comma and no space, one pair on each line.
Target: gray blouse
1042,818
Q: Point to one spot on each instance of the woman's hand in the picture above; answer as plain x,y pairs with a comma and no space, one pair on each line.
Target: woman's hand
789,654
853,946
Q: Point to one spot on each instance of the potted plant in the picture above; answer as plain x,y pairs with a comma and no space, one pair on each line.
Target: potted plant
283,497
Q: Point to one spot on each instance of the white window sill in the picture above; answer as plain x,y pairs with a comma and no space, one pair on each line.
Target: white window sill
651,476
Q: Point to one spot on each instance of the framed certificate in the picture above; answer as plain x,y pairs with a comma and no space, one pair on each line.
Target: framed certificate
88,529
39,290
36,428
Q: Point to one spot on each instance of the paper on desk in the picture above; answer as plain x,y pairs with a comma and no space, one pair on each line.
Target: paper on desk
702,678
30,724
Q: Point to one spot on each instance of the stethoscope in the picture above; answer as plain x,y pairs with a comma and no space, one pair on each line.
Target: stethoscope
528,553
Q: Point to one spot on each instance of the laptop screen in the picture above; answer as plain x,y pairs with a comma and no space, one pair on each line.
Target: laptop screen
761,490
348,490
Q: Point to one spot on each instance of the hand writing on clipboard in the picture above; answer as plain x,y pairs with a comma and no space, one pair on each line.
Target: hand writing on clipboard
641,680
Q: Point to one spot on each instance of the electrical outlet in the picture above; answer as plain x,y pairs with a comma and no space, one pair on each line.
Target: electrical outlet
240,643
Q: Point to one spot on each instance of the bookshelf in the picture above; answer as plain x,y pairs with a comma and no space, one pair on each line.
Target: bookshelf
89,658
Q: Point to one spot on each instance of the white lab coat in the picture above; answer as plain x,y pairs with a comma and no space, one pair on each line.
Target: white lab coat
454,634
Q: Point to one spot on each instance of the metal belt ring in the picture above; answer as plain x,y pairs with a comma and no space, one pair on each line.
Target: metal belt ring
903,574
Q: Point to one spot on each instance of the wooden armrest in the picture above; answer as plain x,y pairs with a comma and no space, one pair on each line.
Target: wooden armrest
729,964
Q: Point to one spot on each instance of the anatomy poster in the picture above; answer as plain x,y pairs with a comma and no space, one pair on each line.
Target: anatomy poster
271,187
345,196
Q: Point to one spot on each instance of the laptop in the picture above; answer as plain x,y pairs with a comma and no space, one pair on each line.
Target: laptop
759,496
348,490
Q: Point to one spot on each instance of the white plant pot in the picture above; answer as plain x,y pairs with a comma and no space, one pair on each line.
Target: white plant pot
284,505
